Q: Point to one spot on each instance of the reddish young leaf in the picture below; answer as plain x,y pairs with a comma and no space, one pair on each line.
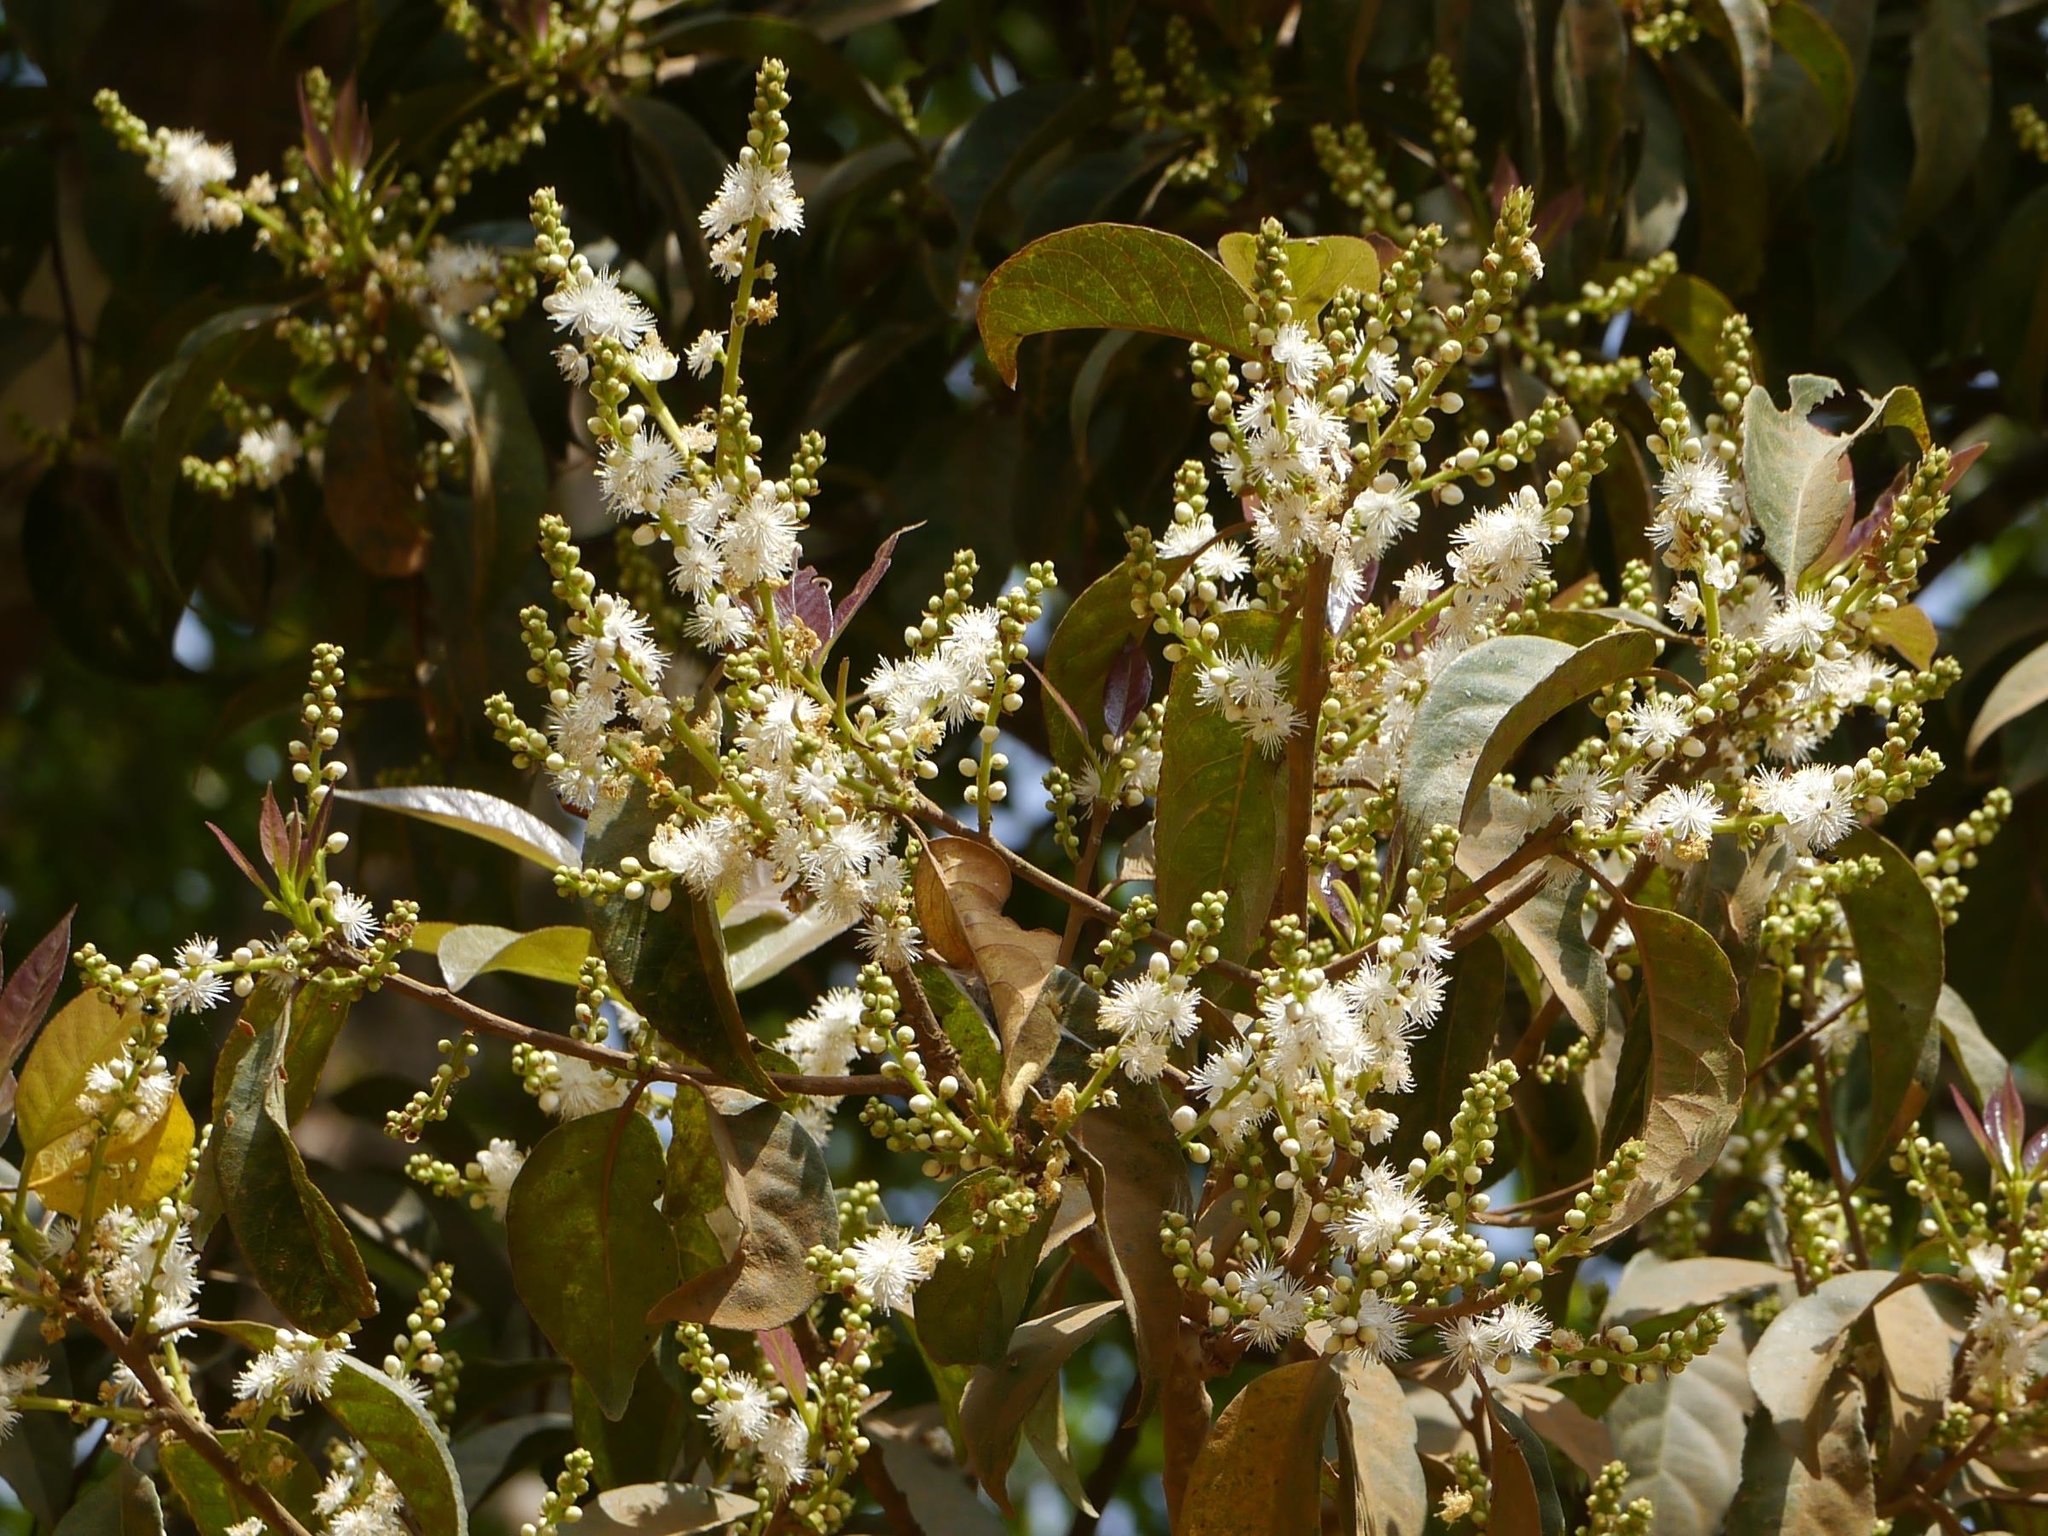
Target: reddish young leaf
242,861
870,579
31,990
1127,689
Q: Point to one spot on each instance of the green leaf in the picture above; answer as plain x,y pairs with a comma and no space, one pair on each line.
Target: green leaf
1444,1058
1826,1491
982,158
1222,802
1948,97
1898,934
1691,310
299,1250
169,414
1681,1439
1729,191
695,1193
1092,633
1318,269
475,949
590,1255
644,1443
967,1309
405,1443
370,476
480,815
1801,33
1589,83
779,1189
509,478
123,1503
1045,1426
963,1024
1000,1394
1982,1065
1260,1474
1487,703
2023,688
1110,277
58,1137
1908,630
1524,1492
264,1456
316,1020
1790,1366
1389,1494
670,965
662,1509
485,1457
1696,1070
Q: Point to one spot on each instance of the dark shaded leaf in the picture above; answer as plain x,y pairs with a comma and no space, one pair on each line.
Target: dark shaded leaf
1948,95
1260,1474
264,1456
1444,1058
371,476
1000,1395
1525,1501
406,1444
589,1254
1800,32
123,1503
968,1307
299,1250
31,989
1898,934
1827,1491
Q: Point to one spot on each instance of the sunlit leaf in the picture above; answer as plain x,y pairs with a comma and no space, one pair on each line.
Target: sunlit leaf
406,1443
780,947
1681,1438
1654,1287
2023,687
136,1166
662,1509
1110,277
1695,1069
1982,1065
918,1451
481,815
1790,1365
1389,1494
1261,1472
1487,703
1907,630
1318,268
476,949
1919,1346
589,1254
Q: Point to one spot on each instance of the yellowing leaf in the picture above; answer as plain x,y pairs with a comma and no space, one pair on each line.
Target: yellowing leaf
58,1137
550,954
1318,268
1907,630
2024,687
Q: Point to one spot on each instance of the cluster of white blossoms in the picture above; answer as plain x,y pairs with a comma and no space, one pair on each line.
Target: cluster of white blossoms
744,1416
358,1499
298,1367
187,169
823,1042
144,1267
17,1381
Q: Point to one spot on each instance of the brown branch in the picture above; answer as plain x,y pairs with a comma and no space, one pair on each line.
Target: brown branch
1806,1034
184,1423
1084,869
1311,682
486,1022
1518,893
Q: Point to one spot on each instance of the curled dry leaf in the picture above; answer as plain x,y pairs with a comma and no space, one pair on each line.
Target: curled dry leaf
960,889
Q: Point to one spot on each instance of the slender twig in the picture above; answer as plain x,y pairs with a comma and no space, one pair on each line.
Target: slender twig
1518,893
1311,682
71,336
1838,1165
1806,1034
184,1423
486,1022
1084,869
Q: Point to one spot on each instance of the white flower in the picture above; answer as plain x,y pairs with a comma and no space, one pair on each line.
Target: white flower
1680,820
1382,368
461,277
1802,624
1152,1009
18,1381
353,917
598,308
1382,1328
497,1166
253,1526
653,361
1658,721
785,1446
1987,1265
1380,514
705,353
582,1089
751,190
297,1365
1695,487
739,1410
1298,356
1518,1327
890,1264
1418,585
185,166
573,362
1251,692
720,623
268,453
1807,798
1500,550
635,473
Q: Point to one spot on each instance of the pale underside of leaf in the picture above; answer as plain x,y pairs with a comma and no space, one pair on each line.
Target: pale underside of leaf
480,815
2024,687
1681,1439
